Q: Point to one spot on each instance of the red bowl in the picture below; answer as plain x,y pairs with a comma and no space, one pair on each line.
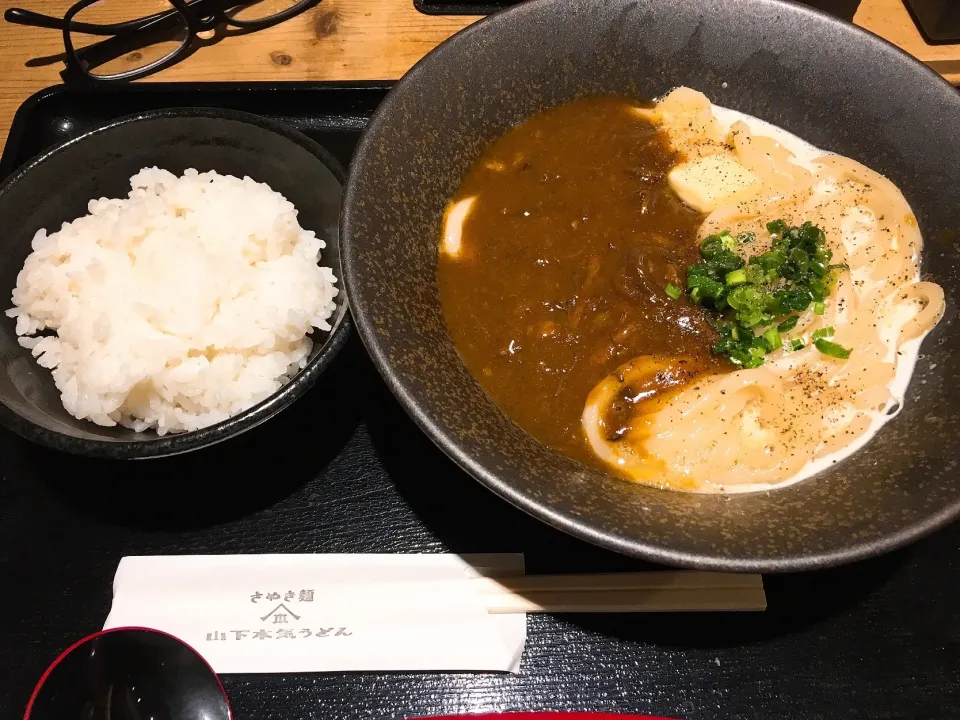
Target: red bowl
549,716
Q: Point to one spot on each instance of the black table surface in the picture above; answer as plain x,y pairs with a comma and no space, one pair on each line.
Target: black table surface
345,470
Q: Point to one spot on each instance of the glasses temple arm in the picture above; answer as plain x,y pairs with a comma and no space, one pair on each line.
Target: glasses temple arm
120,44
19,16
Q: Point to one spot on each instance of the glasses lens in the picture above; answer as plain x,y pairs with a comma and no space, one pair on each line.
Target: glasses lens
114,37
259,10
129,675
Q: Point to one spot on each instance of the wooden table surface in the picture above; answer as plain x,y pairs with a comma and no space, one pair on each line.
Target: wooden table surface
342,40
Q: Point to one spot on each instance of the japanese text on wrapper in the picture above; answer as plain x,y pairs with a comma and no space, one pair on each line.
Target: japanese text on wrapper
281,614
276,634
288,596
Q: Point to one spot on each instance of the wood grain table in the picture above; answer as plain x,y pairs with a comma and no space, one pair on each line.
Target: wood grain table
342,40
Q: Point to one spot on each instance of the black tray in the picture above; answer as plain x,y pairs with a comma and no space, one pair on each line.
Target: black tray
938,20
462,7
840,8
344,470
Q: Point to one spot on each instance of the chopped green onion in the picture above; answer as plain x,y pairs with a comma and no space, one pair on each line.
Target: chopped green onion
716,244
823,333
728,241
765,293
818,291
706,285
772,260
773,339
756,357
789,324
673,291
725,261
777,227
737,277
755,275
796,344
831,349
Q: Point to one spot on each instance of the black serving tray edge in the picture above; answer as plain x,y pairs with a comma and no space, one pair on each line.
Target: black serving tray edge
19,125
478,8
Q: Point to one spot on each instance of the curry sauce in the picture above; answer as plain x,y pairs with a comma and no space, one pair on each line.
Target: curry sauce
560,274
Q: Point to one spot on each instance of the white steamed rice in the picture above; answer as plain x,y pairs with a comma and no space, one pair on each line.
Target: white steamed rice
178,307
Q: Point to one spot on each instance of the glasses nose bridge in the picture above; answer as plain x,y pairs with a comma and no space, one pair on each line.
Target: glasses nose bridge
209,22
205,21
201,15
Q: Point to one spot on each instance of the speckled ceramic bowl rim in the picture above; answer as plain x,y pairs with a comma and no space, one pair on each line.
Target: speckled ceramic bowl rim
175,444
647,550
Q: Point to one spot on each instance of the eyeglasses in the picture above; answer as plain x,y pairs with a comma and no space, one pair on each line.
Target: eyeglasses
145,36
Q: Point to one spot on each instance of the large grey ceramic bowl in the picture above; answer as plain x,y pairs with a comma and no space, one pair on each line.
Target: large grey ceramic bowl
837,86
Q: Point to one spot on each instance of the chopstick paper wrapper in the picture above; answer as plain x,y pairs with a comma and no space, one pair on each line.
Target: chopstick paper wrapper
311,613
316,613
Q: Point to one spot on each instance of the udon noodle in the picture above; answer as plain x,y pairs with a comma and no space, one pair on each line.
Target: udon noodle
756,428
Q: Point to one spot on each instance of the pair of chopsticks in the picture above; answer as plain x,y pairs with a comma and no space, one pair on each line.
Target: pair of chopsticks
655,591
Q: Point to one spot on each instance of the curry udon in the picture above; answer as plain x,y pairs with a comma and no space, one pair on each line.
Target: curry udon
682,295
